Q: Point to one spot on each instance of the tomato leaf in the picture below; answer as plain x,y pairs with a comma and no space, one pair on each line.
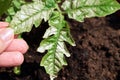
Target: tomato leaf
53,42
80,9
59,31
30,14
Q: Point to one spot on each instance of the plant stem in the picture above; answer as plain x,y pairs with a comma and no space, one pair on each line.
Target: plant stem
17,70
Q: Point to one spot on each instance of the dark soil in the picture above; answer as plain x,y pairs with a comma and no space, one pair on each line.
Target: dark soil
96,55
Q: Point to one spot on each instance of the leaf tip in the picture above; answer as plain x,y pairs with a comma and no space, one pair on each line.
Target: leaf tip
40,49
52,77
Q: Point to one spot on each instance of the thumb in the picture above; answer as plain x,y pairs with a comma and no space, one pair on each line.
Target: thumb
6,37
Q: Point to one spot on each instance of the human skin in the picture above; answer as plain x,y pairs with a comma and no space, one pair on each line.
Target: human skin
11,49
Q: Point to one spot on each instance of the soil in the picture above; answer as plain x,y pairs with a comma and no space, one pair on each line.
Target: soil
96,55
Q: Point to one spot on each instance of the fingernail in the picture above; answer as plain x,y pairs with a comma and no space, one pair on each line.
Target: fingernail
6,34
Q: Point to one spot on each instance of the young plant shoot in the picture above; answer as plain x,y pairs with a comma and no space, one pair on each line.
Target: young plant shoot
33,13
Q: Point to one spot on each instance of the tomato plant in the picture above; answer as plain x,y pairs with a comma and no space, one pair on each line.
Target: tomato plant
58,33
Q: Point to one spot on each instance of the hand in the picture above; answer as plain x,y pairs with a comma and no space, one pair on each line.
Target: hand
11,49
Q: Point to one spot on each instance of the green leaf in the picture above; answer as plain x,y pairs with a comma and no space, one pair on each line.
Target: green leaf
36,0
8,19
15,6
49,3
53,42
30,14
58,1
4,5
17,3
80,9
11,11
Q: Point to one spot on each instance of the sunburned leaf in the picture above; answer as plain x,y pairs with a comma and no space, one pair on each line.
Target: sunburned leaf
54,44
80,9
50,31
30,14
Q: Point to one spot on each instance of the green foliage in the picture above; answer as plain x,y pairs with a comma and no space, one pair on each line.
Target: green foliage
59,30
4,5
15,6
80,9
17,70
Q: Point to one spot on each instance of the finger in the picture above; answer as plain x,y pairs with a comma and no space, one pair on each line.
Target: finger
2,46
18,45
9,59
6,37
3,24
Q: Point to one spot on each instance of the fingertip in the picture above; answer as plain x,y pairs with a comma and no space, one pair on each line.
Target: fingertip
24,45
18,58
7,35
9,59
18,45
